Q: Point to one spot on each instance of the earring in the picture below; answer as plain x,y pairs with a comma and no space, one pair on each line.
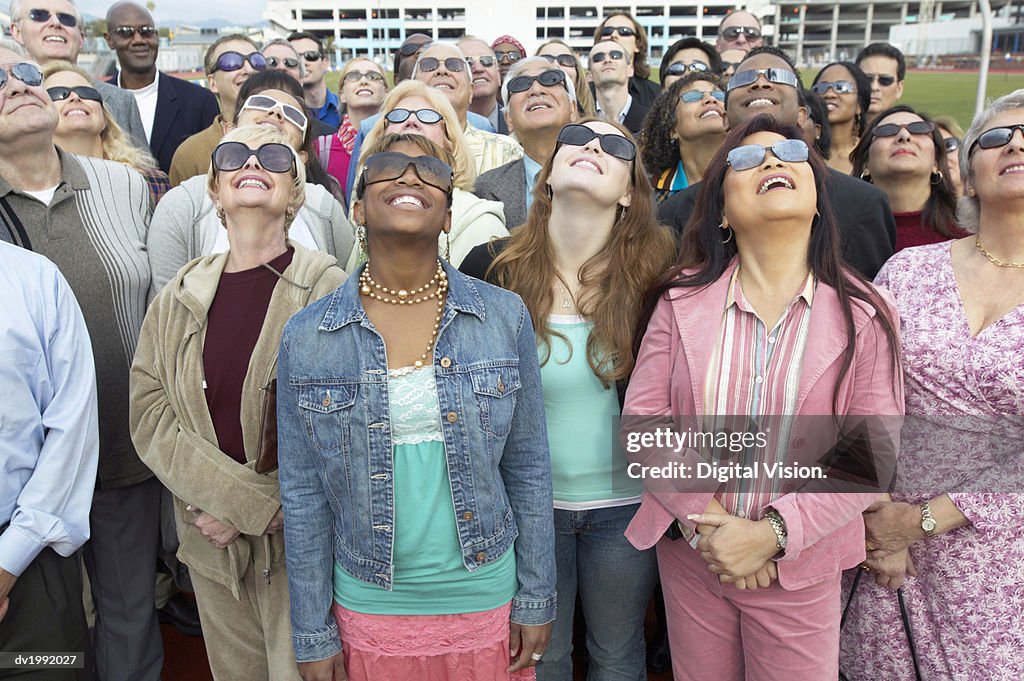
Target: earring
551,194
221,217
866,176
361,238
289,213
936,177
620,212
814,221
727,229
447,246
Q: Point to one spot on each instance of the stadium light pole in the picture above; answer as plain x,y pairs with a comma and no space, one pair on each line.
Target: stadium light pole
986,55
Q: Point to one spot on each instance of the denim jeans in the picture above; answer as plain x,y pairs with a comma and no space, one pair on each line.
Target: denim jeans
614,582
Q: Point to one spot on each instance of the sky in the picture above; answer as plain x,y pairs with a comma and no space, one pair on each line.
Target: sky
171,11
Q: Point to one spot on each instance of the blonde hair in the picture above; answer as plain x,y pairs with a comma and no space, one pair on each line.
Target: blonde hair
116,144
464,166
259,135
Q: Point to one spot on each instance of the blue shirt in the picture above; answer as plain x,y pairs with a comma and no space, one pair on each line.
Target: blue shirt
329,113
532,168
49,432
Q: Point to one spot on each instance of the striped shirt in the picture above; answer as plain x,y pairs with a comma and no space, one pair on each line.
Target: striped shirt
755,373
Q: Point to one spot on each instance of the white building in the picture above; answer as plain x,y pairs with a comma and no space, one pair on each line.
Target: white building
380,27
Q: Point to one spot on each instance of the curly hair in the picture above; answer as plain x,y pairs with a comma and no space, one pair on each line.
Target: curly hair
658,150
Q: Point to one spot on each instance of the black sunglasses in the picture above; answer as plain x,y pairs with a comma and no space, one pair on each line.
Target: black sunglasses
232,61
840,87
42,16
354,76
733,32
691,96
623,31
428,116
27,73
452,64
752,155
391,165
726,65
486,61
995,137
312,55
410,48
511,56
128,32
566,60
750,76
612,143
893,129
884,81
547,79
288,62
678,68
614,55
273,156
59,93
951,144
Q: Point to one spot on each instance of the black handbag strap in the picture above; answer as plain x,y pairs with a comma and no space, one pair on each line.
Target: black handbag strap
14,227
904,616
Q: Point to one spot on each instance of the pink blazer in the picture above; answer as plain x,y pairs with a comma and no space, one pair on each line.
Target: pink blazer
826,533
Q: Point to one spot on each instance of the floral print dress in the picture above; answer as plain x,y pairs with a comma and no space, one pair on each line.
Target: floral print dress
964,435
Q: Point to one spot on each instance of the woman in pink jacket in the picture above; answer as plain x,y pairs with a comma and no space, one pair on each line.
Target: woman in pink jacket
775,370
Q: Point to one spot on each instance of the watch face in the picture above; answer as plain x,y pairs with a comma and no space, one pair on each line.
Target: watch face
928,524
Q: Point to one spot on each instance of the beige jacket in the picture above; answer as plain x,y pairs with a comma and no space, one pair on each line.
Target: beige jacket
171,425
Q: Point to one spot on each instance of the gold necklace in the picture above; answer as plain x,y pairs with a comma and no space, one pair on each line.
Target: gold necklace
992,259
442,289
369,287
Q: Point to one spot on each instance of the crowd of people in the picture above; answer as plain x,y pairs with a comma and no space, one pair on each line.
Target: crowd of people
341,381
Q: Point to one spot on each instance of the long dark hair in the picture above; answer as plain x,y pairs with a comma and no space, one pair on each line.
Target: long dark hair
703,258
939,212
863,92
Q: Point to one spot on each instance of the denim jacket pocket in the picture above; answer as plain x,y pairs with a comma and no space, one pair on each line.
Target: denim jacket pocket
495,388
326,408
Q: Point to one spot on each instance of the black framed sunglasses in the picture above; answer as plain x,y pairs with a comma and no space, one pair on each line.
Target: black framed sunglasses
914,128
840,87
750,76
995,137
733,32
273,157
391,165
614,55
232,61
427,116
292,114
549,78
883,80
510,57
951,144
612,143
410,48
486,61
27,73
287,62
678,68
752,155
311,55
452,64
354,76
41,16
128,32
59,93
726,65
691,96
566,60
623,31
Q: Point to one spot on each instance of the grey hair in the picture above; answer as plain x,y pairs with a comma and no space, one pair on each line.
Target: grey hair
518,67
285,43
8,44
14,9
467,70
969,209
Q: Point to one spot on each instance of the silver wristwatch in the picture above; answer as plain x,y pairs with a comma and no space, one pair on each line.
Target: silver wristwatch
928,523
779,527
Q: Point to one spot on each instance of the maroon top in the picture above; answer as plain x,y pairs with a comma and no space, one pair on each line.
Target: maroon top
911,231
233,326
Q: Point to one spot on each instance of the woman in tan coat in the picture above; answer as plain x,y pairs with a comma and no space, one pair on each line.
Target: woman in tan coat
203,415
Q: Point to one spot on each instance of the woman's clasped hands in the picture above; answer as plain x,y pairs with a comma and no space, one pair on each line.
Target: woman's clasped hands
738,550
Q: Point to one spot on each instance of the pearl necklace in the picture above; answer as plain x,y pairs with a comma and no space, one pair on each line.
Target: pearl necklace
992,259
440,277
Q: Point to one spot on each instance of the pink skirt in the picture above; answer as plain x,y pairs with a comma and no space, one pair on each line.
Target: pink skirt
465,647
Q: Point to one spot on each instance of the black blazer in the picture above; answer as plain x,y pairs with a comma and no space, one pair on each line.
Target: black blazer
643,90
182,110
635,117
867,229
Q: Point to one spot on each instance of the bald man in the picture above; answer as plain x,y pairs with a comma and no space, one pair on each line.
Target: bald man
739,30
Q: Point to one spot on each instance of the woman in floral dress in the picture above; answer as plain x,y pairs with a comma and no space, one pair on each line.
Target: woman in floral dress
953,531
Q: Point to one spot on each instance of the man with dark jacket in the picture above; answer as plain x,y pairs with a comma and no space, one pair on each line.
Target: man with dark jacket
171,109
867,229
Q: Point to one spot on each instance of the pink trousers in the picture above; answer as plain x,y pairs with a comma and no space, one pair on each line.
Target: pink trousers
720,633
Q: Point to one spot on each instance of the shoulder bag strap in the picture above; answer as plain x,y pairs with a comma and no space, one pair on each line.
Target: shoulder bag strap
13,225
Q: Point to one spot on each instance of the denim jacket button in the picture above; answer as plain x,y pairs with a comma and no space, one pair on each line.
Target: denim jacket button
452,417
446,362
468,515
481,557
501,386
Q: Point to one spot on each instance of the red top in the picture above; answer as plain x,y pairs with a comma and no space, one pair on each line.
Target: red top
233,326
911,231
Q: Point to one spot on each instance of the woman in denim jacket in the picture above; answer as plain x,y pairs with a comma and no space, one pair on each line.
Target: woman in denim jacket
413,455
